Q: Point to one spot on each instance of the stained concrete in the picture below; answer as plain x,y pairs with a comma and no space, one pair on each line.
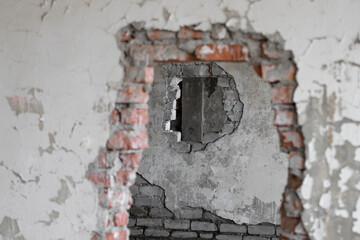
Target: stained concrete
240,176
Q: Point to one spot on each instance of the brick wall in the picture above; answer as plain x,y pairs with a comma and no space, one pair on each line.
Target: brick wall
114,170
150,219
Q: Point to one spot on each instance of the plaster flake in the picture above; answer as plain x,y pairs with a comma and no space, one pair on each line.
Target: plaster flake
356,216
345,175
311,153
351,133
206,50
318,229
306,188
340,201
357,186
325,201
341,213
326,183
333,163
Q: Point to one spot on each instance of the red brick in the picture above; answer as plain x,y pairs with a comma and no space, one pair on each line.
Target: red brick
133,94
121,218
284,118
121,235
134,116
100,178
127,139
283,94
269,50
281,237
96,237
291,205
278,72
288,224
115,116
123,177
139,74
160,53
188,33
112,198
126,35
294,181
131,160
257,70
292,139
222,52
240,52
160,35
103,162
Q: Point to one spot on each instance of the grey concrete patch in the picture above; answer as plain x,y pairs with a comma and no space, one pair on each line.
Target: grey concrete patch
226,166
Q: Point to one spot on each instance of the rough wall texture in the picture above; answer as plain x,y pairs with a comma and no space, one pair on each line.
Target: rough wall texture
140,49
59,68
240,176
150,218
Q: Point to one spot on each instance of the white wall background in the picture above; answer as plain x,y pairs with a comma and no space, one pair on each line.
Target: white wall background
59,73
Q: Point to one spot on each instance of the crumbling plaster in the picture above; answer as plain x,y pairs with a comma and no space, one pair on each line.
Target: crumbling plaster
59,75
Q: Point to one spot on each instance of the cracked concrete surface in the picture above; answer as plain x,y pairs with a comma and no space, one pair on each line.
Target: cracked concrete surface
71,55
240,176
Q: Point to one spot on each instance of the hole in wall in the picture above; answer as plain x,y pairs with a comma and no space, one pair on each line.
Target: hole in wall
202,105
141,51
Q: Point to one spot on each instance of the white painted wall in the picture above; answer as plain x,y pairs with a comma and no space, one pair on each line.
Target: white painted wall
59,71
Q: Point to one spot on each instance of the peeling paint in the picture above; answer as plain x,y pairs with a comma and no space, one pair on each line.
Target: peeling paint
28,104
51,147
63,193
52,217
9,228
356,215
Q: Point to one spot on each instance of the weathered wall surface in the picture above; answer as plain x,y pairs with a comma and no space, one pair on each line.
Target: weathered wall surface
59,70
149,218
240,176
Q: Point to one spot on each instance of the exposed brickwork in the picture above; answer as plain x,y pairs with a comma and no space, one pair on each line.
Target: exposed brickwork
133,94
284,118
222,52
139,74
161,53
134,116
291,139
283,94
283,72
187,222
160,34
114,169
131,160
188,33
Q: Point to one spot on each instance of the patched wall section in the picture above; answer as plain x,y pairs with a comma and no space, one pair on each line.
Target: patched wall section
240,176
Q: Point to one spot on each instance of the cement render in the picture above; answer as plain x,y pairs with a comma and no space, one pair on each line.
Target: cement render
240,176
